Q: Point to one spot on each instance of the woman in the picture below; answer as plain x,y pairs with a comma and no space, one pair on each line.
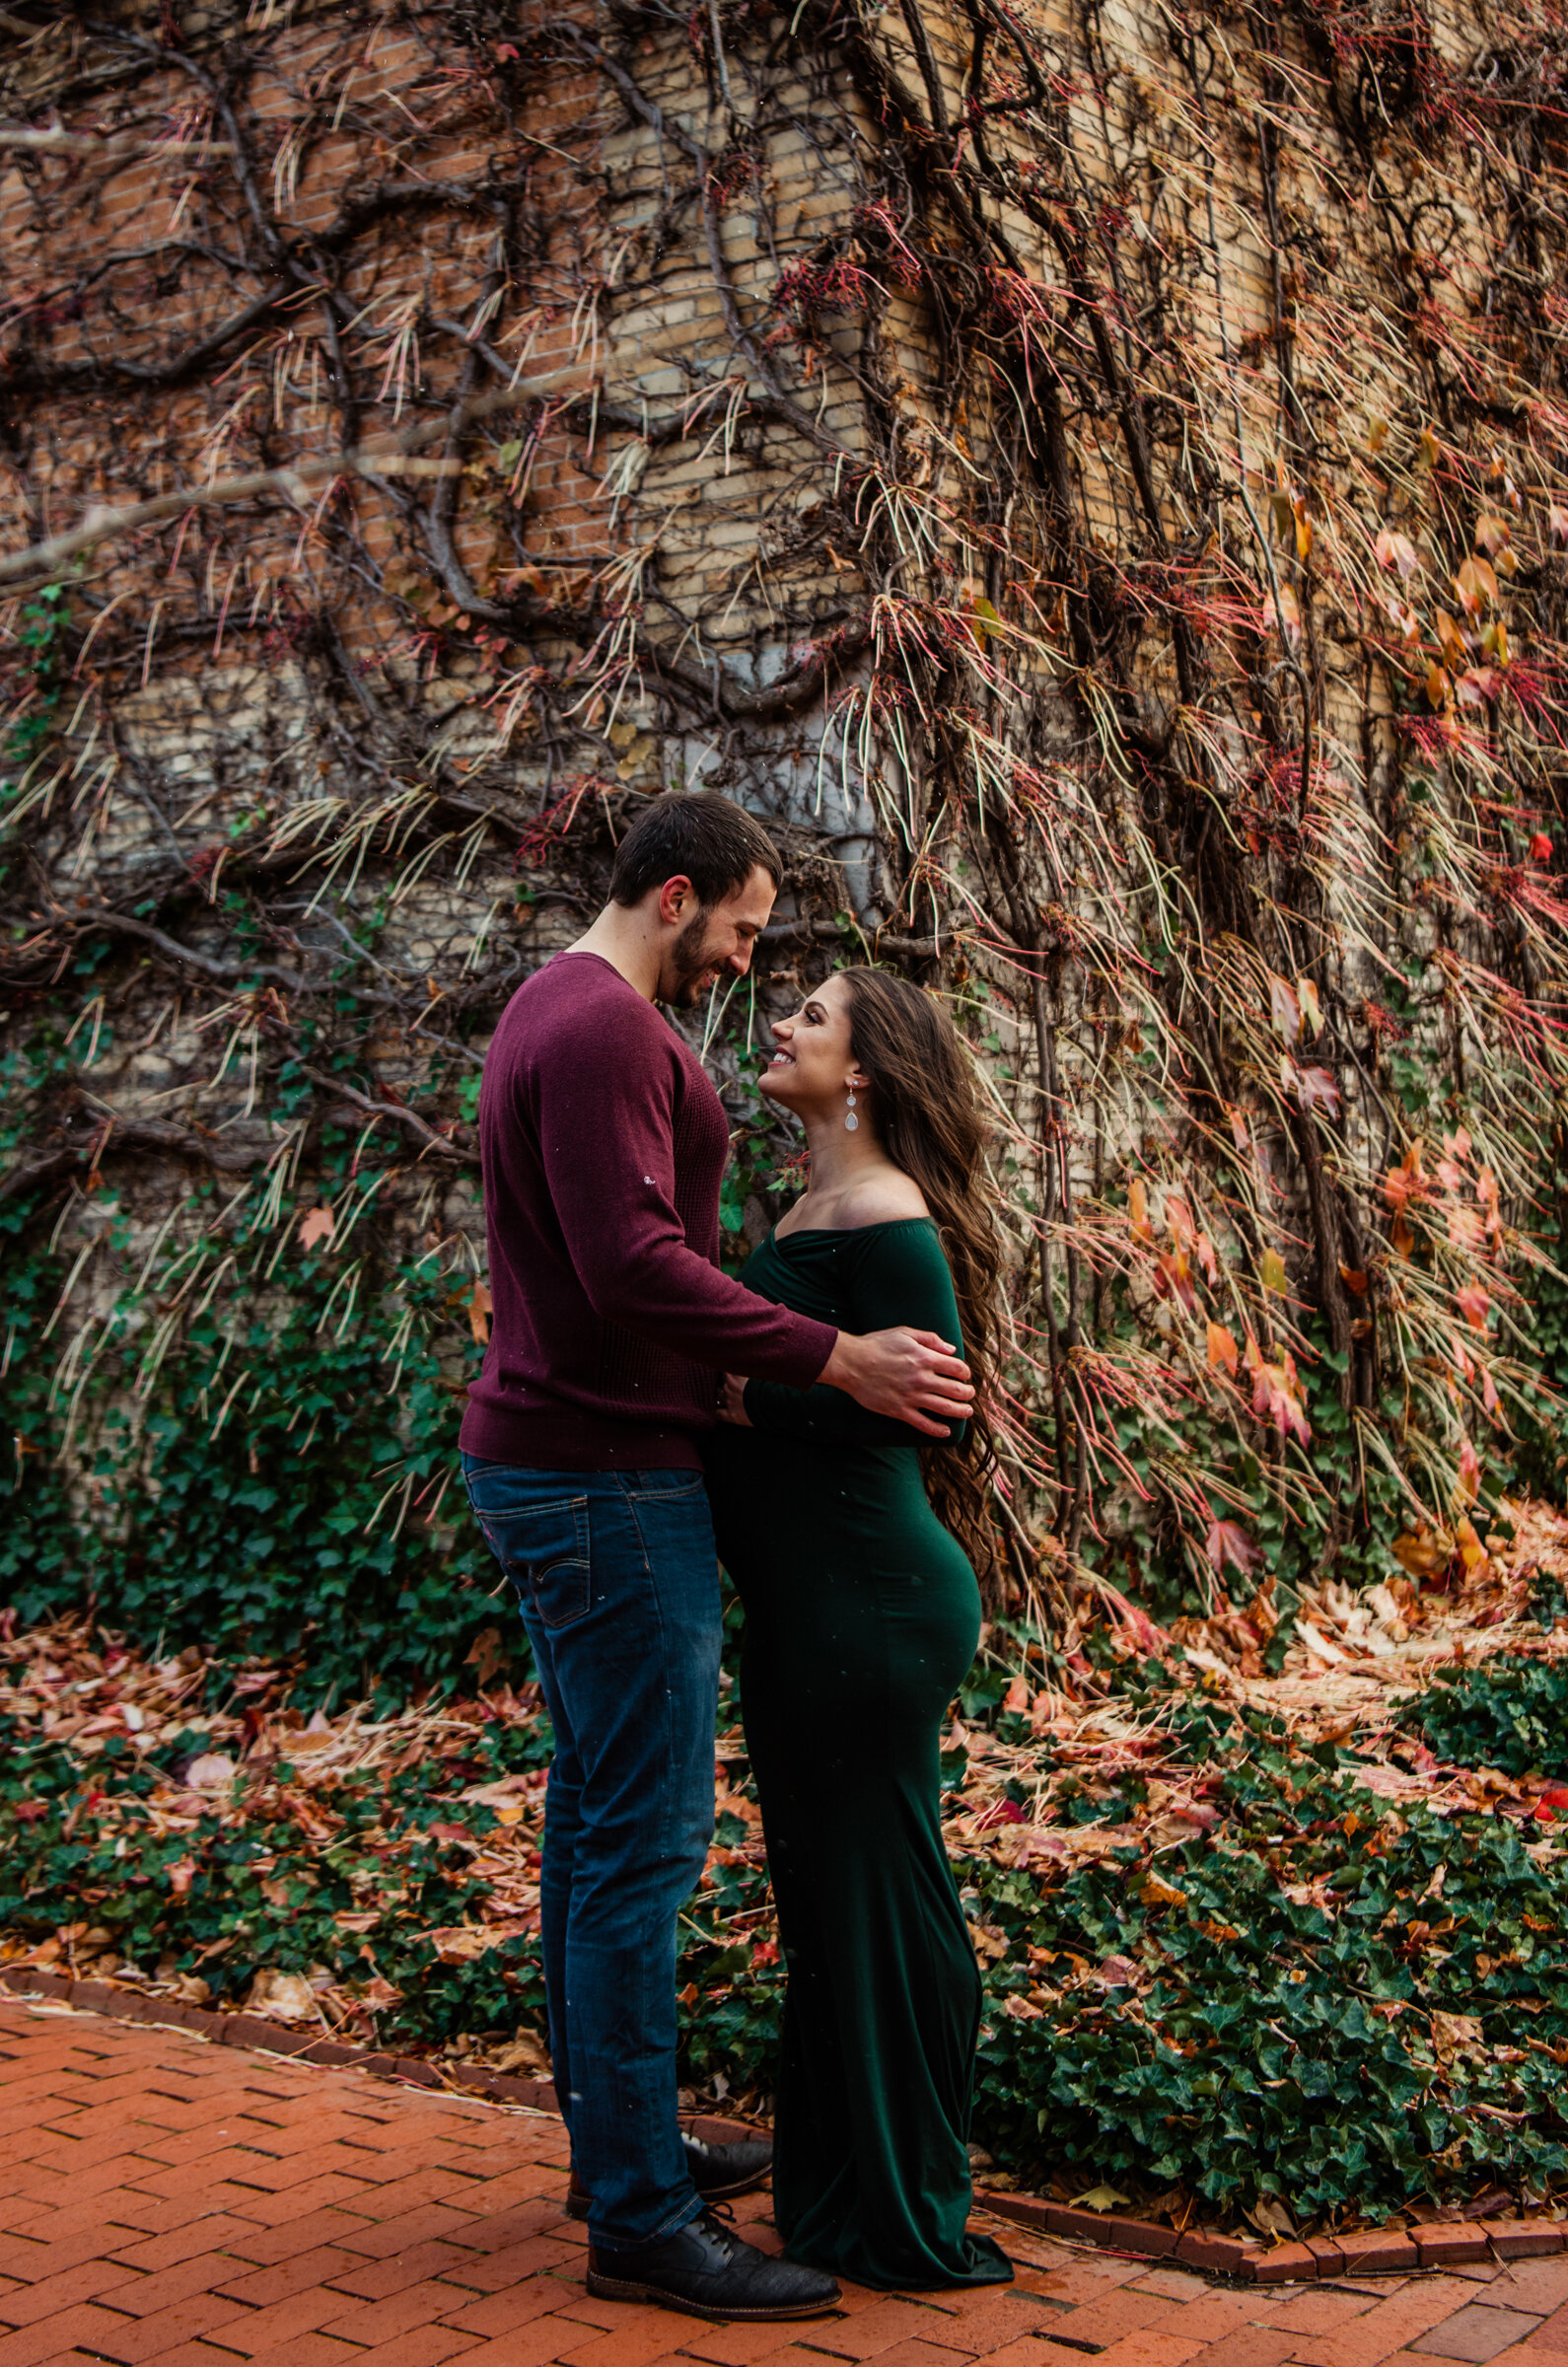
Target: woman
862,1615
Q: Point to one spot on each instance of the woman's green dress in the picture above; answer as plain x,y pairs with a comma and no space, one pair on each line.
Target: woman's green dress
862,1615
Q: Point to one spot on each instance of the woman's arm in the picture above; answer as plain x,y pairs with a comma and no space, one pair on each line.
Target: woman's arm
900,1278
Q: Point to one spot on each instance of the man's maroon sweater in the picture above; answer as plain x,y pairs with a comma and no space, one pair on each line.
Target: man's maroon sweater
603,1145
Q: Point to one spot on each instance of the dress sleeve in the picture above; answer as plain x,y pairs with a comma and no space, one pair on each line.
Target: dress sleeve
902,1277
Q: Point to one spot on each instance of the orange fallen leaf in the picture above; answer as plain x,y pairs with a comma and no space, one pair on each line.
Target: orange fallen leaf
1421,1551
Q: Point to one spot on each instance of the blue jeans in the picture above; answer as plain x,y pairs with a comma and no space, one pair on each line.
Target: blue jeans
618,1578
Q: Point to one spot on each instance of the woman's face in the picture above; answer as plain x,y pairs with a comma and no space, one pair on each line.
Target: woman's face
814,1066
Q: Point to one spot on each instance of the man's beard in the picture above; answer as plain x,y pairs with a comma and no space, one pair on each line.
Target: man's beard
690,961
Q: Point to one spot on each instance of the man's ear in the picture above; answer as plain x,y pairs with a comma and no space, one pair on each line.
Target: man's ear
676,899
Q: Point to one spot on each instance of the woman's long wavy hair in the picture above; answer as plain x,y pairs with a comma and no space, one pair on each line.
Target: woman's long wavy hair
925,1104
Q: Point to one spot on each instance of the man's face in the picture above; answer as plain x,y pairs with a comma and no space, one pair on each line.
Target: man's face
713,939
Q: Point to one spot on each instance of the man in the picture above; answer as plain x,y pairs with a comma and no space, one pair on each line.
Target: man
604,1145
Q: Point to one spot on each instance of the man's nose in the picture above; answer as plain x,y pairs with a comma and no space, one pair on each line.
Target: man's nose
740,959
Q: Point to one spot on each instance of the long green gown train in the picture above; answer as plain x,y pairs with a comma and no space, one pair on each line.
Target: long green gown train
862,1615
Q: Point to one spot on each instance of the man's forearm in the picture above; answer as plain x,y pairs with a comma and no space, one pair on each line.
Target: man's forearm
667,1294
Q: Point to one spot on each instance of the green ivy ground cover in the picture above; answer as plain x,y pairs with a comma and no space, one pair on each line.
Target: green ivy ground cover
1322,2000
286,1490
1511,1714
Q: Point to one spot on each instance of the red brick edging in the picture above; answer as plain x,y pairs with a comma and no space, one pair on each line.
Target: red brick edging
252,2030
1399,2250
1442,2245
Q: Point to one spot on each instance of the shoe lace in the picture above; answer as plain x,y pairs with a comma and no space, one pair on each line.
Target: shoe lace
719,2220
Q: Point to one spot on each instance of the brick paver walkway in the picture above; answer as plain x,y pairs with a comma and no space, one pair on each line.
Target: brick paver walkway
193,2206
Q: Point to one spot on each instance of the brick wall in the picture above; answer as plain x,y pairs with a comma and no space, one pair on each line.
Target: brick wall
980,454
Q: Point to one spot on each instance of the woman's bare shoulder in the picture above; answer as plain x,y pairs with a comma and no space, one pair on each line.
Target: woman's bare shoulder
886,1197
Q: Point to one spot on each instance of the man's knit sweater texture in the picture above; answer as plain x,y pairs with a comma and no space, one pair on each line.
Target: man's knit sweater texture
603,1145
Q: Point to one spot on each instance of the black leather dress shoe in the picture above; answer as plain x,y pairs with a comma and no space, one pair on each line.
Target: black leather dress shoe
709,2273
718,2172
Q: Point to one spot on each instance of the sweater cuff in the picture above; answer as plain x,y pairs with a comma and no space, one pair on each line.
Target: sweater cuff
805,1355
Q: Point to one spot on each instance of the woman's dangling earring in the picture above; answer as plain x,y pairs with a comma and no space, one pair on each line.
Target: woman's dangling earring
851,1121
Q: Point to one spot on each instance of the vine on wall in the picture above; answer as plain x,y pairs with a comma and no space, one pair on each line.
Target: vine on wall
1096,480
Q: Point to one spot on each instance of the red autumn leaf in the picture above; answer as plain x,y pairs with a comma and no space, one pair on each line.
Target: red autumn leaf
1451,638
315,1225
1226,1542
1284,1009
1138,1212
1540,848
1276,1394
1316,1089
480,1309
1469,1477
1396,550
1472,1303
1405,1181
1222,1349
1475,586
1172,1279
1467,1231
1312,1010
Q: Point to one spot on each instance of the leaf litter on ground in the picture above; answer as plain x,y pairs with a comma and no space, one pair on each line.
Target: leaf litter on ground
1252,1949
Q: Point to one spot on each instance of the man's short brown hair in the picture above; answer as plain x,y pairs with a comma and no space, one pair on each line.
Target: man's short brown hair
695,834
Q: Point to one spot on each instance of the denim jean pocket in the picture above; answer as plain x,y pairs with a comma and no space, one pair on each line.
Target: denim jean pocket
543,1549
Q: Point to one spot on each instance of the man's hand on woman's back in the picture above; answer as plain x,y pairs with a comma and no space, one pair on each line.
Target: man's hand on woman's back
910,1375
